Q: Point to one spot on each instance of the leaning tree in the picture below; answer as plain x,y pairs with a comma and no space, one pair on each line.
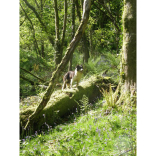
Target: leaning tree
56,74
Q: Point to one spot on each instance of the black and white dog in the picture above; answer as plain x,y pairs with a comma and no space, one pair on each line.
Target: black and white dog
72,76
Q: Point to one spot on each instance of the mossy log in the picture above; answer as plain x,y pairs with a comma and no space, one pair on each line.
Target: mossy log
56,74
64,102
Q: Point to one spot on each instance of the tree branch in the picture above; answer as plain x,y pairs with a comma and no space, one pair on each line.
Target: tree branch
37,4
22,21
41,22
36,44
32,74
31,82
109,14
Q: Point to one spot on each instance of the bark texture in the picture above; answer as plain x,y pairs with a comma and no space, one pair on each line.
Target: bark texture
73,32
58,55
65,60
129,46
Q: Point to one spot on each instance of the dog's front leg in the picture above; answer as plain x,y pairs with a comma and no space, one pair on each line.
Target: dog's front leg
71,83
77,83
64,85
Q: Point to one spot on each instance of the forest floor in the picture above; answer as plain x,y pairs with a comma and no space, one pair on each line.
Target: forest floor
98,130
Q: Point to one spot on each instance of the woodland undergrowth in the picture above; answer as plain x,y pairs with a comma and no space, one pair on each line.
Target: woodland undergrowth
100,128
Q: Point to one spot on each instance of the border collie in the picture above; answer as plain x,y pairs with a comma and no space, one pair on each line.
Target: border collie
72,76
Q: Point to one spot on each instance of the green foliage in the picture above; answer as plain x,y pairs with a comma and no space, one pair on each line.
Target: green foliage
36,65
111,98
108,61
95,133
37,53
107,130
93,67
84,104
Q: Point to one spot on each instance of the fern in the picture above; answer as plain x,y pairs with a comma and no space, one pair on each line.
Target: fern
84,104
110,97
102,63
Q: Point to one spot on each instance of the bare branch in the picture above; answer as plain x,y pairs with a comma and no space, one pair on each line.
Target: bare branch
22,21
36,44
32,74
109,14
40,20
37,4
31,82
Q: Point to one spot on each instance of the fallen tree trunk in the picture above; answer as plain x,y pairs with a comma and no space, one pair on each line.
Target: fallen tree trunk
56,74
62,103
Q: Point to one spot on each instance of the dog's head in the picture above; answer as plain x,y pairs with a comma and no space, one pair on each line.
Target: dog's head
79,68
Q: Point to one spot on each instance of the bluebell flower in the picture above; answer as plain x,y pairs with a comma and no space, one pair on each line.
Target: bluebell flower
97,130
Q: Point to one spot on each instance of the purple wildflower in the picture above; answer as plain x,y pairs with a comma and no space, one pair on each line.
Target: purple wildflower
97,130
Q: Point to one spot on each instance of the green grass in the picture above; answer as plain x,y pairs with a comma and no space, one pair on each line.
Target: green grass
101,131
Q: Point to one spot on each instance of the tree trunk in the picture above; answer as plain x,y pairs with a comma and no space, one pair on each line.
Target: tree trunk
85,49
64,27
85,44
91,41
64,62
42,39
59,42
78,9
58,55
129,46
73,32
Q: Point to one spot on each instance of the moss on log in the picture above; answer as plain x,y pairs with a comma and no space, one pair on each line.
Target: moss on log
64,102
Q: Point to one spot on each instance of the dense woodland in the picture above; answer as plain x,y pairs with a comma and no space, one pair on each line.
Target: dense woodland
47,28
57,35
